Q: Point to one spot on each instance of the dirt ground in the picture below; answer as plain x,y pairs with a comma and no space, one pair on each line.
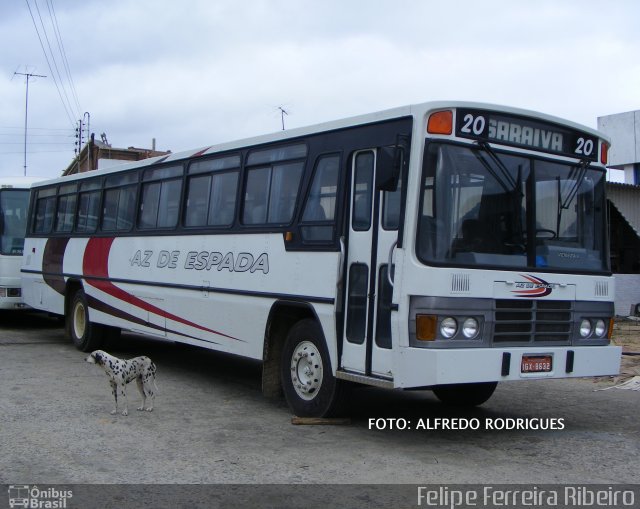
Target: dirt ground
626,333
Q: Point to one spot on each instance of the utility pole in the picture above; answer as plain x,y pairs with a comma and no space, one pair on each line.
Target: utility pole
28,75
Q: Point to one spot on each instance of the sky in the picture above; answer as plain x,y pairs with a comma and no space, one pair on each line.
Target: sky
199,72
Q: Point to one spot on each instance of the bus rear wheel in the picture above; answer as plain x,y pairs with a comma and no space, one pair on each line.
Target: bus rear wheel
309,386
465,395
86,336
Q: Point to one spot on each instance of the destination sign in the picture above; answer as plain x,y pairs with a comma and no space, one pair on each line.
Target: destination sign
525,132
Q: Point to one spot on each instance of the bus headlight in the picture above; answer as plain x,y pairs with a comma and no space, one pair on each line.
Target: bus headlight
585,328
448,327
600,329
470,328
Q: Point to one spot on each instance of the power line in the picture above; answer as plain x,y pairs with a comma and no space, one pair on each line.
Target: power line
65,129
56,76
63,53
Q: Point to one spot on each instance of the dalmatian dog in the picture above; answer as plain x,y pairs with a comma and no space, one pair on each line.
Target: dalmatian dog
121,372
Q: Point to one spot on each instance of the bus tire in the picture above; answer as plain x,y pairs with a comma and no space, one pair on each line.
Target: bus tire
85,335
465,395
308,383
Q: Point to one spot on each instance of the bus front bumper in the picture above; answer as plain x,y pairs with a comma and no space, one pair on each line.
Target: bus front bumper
420,367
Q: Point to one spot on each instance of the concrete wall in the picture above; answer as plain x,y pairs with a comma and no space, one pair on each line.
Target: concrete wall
624,131
627,292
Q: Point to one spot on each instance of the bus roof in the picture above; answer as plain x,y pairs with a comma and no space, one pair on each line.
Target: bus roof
415,110
19,182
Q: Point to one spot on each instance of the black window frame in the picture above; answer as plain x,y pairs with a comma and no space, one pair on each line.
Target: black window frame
227,164
66,192
270,157
121,182
163,176
47,195
308,227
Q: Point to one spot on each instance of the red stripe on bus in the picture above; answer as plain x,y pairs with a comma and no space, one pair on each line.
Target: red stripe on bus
95,263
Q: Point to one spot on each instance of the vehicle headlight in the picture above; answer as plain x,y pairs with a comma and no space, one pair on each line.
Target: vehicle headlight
600,329
448,327
470,328
585,328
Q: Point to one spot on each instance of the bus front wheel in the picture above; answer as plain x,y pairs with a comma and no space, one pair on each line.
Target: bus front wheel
309,386
465,395
86,336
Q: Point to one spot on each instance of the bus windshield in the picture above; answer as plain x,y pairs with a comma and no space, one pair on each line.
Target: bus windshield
14,205
483,208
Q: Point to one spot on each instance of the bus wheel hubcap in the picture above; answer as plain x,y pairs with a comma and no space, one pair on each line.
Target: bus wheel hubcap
79,321
306,370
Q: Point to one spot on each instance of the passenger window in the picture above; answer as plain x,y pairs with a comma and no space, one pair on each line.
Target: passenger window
66,213
118,211
198,201
88,212
211,192
222,203
45,208
321,202
271,193
256,196
160,204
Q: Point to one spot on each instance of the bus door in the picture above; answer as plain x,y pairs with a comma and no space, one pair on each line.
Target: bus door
367,326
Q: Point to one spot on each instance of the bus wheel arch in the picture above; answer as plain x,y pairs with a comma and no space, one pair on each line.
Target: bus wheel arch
282,317
84,334
309,385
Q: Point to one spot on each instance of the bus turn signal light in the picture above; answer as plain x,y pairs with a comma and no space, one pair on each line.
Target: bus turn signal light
440,122
604,153
426,327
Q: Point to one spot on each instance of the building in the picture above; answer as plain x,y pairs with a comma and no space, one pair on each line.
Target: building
97,155
624,206
624,131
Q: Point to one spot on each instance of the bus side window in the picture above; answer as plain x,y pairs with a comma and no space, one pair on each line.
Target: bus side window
197,200
256,196
118,212
321,202
222,204
160,201
66,213
271,194
88,212
272,185
211,192
45,209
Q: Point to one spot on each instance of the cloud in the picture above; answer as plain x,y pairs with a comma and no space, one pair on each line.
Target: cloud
197,72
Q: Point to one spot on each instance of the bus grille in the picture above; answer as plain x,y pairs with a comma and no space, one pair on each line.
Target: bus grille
532,321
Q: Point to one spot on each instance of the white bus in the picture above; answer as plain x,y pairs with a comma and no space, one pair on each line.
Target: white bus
14,207
448,246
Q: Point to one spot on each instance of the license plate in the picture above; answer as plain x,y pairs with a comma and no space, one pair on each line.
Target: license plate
536,364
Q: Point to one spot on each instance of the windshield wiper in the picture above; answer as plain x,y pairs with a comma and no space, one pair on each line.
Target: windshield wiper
505,179
576,176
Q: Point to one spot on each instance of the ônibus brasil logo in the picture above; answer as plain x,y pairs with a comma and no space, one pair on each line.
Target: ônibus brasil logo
533,287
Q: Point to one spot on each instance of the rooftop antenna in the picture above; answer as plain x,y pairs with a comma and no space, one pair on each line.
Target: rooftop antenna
27,75
283,112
